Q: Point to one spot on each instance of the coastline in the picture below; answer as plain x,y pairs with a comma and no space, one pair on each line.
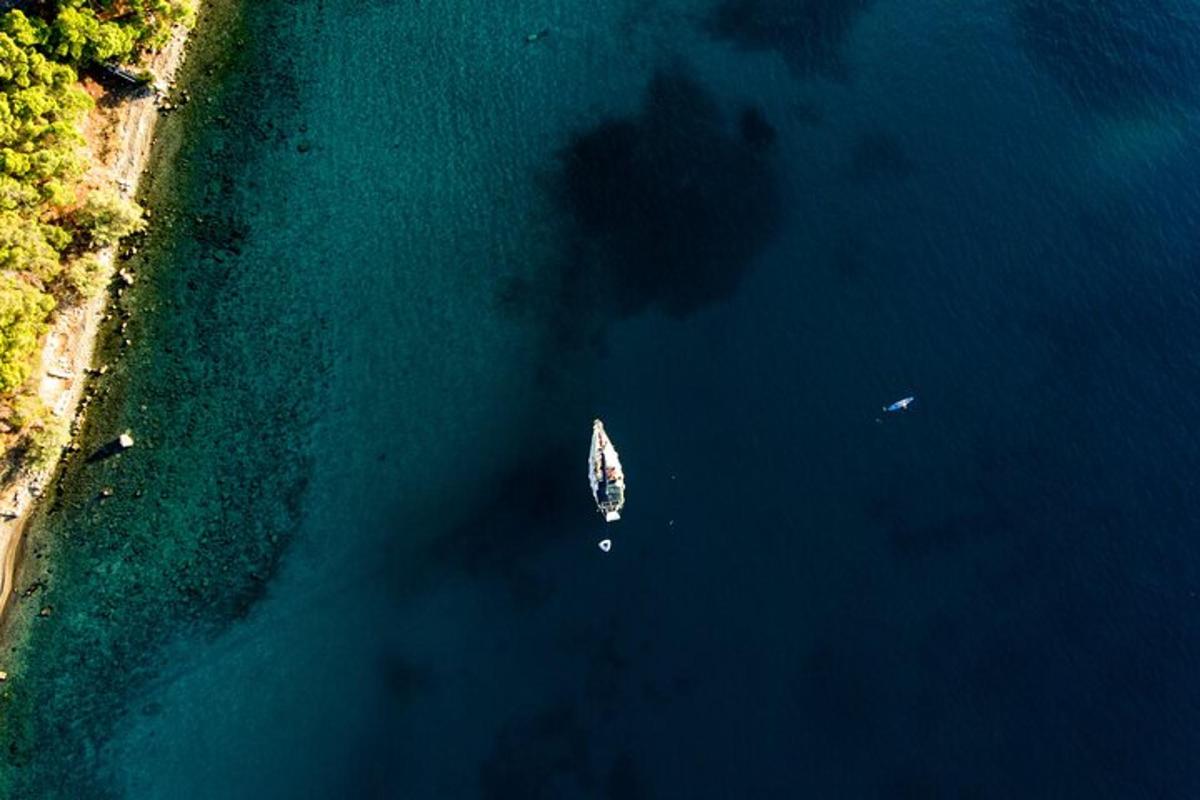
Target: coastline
67,350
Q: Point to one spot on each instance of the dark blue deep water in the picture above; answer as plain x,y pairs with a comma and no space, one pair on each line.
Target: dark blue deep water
405,257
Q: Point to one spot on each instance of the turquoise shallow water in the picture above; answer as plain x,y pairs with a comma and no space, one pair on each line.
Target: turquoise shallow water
402,257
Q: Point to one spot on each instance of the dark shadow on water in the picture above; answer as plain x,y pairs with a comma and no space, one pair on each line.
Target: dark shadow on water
624,780
837,689
808,34
514,294
404,680
608,660
538,499
945,535
877,156
756,131
808,113
1116,56
849,259
543,756
913,783
105,451
670,207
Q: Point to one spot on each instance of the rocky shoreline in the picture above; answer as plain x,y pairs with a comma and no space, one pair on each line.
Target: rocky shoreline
121,138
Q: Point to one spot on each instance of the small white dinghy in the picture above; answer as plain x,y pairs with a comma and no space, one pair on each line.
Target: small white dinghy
605,475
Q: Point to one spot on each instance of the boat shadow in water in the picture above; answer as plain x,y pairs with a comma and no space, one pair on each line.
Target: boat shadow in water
106,451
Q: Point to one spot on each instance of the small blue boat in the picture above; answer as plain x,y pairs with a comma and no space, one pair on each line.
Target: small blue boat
899,405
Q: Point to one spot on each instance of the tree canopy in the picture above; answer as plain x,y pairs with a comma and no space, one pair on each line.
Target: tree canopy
46,219
106,217
108,30
23,312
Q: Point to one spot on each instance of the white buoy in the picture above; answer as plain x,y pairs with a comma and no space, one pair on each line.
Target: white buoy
606,545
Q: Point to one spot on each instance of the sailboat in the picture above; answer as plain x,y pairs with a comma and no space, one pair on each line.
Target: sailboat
605,474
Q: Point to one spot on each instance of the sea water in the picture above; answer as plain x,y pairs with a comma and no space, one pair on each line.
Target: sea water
402,257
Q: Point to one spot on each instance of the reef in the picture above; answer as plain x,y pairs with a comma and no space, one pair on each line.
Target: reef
808,34
669,207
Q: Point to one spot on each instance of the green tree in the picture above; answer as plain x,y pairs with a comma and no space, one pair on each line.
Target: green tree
16,194
42,159
24,310
23,30
79,35
150,20
105,30
86,276
107,217
30,247
71,32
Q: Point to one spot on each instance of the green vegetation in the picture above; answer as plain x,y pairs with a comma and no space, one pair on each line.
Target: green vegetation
106,217
79,35
81,31
45,441
23,312
85,276
50,226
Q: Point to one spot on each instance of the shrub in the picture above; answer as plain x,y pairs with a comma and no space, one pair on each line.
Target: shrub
107,217
44,444
86,276
28,410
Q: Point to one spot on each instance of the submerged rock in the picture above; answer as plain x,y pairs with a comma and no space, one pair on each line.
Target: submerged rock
756,131
808,34
671,206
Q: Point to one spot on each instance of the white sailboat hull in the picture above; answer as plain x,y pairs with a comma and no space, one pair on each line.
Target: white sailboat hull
605,474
